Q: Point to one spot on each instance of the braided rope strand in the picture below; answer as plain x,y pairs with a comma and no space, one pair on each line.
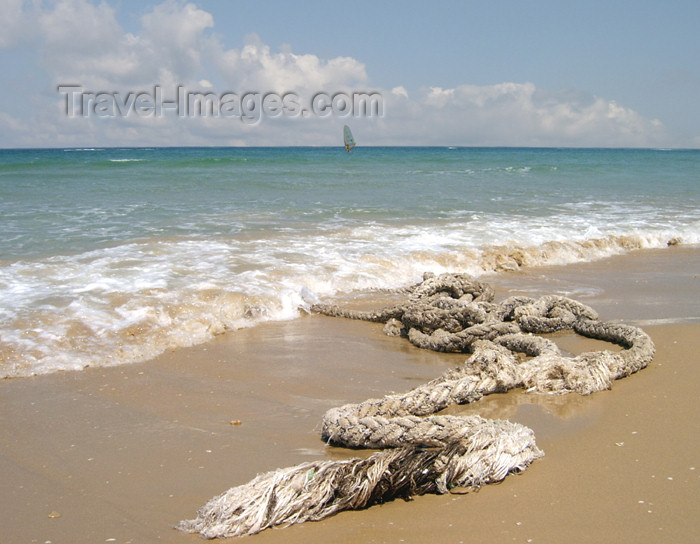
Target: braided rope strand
423,452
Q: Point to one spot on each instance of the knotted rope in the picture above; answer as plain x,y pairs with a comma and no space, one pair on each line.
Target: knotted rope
434,453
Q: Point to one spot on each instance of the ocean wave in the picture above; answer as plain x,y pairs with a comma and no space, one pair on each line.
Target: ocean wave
132,302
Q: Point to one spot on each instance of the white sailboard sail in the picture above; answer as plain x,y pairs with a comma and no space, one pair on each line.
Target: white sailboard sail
347,137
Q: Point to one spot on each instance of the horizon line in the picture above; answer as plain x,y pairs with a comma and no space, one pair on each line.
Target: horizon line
417,146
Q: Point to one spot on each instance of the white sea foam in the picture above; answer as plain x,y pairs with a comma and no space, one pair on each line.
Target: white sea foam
103,265
132,302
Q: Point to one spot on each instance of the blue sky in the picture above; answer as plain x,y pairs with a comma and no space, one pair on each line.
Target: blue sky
550,73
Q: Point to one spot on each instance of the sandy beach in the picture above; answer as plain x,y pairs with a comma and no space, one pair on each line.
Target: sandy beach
122,454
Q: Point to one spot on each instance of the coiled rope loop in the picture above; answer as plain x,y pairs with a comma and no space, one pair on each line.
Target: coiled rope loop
426,452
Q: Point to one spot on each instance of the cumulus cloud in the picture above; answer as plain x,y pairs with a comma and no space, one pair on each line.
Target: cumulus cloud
174,39
400,90
518,114
83,42
78,39
11,23
80,42
256,66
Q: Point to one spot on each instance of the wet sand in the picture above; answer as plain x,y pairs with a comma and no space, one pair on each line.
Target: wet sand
122,454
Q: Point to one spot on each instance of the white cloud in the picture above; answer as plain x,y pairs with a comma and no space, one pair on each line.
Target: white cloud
400,91
173,37
83,43
11,23
256,67
515,114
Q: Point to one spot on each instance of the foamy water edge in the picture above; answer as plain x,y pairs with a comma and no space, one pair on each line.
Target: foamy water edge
179,294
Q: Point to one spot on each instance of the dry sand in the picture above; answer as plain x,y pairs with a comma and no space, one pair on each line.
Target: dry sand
122,454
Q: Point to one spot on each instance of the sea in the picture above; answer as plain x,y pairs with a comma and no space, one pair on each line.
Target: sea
114,255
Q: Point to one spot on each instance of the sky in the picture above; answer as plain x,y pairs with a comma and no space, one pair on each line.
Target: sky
82,73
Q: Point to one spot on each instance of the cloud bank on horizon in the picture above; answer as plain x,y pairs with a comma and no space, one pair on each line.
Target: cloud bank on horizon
81,44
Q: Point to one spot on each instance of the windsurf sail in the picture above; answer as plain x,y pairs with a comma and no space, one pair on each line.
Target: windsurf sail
347,137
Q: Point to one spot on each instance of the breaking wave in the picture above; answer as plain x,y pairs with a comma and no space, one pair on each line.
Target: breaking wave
131,303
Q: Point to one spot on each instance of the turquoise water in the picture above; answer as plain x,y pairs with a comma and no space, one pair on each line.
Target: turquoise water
111,256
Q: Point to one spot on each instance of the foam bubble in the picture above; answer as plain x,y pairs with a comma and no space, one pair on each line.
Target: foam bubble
131,302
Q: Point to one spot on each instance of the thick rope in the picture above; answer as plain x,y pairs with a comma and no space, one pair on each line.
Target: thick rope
314,491
436,453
